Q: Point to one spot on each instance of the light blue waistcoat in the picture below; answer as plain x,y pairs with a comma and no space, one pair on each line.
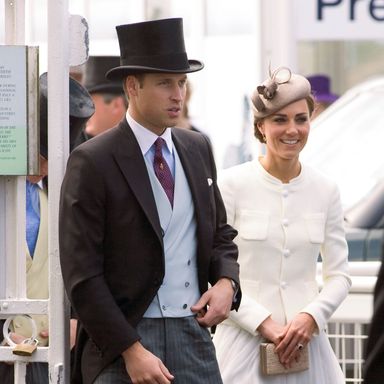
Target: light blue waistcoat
180,289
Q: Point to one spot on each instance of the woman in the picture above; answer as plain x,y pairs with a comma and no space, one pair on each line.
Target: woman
286,214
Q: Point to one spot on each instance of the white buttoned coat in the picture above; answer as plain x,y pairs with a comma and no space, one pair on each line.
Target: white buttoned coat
282,230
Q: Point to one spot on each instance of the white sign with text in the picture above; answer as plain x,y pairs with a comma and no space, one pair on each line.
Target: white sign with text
339,19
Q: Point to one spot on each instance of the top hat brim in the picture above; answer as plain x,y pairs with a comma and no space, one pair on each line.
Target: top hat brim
119,73
112,88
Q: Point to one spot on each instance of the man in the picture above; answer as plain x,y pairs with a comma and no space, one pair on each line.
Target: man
143,229
80,108
108,96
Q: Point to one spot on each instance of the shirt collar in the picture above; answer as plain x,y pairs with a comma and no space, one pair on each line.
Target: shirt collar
146,138
39,185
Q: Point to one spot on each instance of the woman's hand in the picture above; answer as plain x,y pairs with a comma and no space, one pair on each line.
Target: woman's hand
298,334
271,330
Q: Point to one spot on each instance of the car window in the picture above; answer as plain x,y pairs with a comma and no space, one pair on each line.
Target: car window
369,211
346,141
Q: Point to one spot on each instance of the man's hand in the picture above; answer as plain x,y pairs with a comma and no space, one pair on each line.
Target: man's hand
219,299
143,367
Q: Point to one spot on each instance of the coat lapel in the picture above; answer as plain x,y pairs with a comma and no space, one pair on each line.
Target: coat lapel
193,166
131,162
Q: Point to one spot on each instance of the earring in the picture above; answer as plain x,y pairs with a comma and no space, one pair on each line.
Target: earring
264,138
262,133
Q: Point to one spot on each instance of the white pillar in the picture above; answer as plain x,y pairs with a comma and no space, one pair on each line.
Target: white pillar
278,43
15,191
58,148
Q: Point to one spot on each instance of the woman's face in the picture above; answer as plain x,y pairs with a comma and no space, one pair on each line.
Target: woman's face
286,131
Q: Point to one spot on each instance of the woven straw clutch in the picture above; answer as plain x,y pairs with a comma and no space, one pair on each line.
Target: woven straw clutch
270,364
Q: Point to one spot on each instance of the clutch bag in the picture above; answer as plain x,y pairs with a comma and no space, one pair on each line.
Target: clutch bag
270,363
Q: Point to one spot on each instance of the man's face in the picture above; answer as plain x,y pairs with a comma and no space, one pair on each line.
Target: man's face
156,100
43,171
108,113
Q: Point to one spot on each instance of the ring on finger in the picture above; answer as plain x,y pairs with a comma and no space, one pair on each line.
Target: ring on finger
300,346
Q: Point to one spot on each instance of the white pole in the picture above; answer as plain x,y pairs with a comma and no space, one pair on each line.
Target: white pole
58,144
15,186
15,191
14,22
278,42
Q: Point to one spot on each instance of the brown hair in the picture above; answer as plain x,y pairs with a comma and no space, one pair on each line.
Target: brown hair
140,79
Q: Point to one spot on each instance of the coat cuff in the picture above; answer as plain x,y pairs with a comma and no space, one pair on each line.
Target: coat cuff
250,315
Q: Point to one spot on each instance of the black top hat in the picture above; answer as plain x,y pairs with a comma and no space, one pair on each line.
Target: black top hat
153,46
94,75
81,108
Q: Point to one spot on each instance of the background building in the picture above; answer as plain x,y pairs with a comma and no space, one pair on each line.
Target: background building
237,40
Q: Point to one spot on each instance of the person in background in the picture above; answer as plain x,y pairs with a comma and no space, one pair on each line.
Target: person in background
286,214
185,119
321,89
76,72
142,229
108,96
81,109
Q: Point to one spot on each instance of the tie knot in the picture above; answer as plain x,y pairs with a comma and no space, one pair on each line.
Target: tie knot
159,143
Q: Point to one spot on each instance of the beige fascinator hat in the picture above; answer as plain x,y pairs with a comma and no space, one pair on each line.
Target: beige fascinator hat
281,89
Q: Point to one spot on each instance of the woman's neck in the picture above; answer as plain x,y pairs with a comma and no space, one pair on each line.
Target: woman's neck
284,170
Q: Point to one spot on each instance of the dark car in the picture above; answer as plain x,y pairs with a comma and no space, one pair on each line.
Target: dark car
346,143
365,226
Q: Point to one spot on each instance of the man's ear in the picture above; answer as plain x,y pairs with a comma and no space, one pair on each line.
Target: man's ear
131,85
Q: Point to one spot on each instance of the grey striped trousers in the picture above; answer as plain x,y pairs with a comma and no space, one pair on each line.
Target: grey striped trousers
183,346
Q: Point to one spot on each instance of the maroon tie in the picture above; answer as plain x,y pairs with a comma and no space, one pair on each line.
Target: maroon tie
162,170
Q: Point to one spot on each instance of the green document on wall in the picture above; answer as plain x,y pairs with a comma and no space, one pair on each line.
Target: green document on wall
13,110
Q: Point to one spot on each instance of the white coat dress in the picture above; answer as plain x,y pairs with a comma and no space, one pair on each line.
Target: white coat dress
282,229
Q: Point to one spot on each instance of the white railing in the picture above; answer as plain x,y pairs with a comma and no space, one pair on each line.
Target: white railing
348,327
347,340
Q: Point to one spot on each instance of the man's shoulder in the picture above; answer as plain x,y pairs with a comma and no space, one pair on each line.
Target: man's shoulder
104,142
188,137
188,134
